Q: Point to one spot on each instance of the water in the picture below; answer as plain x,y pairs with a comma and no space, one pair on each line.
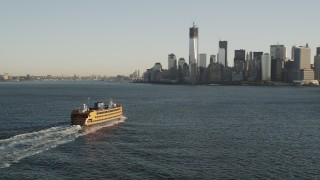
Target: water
178,132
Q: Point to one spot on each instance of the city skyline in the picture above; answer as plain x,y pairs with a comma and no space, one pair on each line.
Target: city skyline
117,37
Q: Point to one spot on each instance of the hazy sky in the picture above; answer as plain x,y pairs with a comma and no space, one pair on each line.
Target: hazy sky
110,37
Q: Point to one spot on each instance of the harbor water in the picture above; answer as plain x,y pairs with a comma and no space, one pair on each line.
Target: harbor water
172,132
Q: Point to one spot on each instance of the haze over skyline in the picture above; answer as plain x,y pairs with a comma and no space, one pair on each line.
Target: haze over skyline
118,37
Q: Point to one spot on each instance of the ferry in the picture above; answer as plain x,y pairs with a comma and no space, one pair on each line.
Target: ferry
99,114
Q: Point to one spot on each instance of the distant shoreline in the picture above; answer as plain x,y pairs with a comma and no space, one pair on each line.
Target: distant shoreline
232,84
226,83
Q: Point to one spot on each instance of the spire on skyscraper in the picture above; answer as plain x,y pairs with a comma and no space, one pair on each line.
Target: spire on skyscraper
193,51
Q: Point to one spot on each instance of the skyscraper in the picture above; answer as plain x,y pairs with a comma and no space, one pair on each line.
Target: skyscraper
317,67
224,45
172,61
238,65
222,57
203,60
277,69
292,52
239,55
266,67
302,63
257,55
193,52
278,52
172,66
302,56
181,62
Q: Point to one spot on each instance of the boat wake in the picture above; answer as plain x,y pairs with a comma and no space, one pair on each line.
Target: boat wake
18,147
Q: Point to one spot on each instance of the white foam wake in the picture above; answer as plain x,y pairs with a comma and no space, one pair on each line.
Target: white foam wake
18,147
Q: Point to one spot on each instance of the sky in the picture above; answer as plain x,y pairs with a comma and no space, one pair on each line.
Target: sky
111,37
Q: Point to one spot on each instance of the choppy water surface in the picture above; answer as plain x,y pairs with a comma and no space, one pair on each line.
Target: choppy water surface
179,132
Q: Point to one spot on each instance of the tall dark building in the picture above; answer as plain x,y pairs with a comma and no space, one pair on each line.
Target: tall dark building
257,55
238,66
224,45
289,72
316,65
240,55
227,74
318,51
277,70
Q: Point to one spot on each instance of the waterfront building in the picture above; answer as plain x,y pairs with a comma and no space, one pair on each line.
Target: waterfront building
290,73
238,71
302,63
153,74
6,76
214,72
203,60
239,61
277,70
278,52
201,74
257,58
181,62
185,71
147,76
227,73
266,67
165,76
223,54
252,70
193,52
317,66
